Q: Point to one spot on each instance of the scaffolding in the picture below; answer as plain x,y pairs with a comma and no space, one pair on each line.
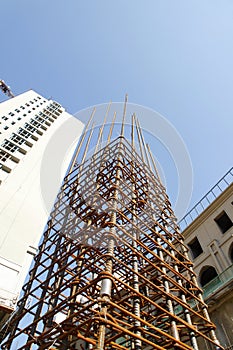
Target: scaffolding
112,270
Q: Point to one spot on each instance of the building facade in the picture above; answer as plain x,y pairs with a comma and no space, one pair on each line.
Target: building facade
37,139
208,232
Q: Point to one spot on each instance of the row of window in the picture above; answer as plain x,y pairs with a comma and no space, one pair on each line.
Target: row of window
224,223
34,126
17,110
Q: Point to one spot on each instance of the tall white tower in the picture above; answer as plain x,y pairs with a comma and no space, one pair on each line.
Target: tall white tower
36,135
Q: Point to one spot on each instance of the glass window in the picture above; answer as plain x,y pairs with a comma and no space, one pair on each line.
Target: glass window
24,133
4,155
30,128
17,139
35,123
9,146
40,120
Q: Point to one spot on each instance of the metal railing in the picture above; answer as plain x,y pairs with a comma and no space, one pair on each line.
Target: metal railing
205,201
218,282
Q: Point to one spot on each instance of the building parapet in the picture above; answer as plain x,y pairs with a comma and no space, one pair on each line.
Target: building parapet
206,200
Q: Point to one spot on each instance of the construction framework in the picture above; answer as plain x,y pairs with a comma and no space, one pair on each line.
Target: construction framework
6,89
112,270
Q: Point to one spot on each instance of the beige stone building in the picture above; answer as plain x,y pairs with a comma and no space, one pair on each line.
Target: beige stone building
208,231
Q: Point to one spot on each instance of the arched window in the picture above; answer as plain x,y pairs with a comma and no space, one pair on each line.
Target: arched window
207,274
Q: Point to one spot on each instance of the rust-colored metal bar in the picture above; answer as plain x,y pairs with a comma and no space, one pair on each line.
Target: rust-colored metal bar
112,271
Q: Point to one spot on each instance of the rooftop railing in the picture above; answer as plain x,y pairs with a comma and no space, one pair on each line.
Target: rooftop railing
205,201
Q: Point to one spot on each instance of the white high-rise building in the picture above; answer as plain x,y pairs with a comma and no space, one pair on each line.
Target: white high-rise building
37,140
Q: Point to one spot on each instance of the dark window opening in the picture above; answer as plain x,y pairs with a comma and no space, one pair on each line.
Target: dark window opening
195,248
224,222
208,274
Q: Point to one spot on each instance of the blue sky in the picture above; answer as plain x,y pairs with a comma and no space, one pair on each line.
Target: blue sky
173,56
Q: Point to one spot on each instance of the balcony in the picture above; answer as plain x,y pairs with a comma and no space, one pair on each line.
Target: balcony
218,283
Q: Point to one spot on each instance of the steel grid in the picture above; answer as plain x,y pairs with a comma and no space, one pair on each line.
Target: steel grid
112,271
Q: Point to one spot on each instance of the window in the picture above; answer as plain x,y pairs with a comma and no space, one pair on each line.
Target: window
11,114
17,110
35,123
4,118
4,155
25,134
223,221
208,273
46,117
9,146
30,128
19,140
22,107
40,120
195,247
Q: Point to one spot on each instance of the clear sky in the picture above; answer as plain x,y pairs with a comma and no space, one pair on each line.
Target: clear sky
173,56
